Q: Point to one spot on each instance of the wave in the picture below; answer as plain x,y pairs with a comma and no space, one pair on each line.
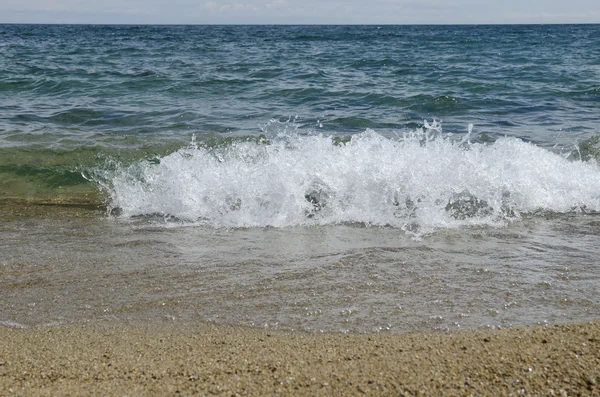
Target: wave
419,182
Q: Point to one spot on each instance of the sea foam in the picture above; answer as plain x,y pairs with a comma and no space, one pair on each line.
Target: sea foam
419,182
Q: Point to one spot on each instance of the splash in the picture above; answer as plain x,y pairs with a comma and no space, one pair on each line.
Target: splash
419,182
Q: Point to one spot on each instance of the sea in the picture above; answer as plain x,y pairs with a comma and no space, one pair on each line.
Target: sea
310,178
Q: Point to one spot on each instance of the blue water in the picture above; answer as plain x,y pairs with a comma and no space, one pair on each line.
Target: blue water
87,83
88,93
452,171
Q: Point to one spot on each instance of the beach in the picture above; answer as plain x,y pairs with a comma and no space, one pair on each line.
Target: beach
168,359
299,210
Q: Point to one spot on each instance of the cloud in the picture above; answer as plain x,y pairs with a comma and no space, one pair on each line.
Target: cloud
277,4
233,7
77,6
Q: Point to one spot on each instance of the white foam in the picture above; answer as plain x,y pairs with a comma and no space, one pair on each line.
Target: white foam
419,182
11,324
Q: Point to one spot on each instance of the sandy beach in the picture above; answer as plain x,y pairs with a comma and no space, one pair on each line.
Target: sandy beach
326,208
167,359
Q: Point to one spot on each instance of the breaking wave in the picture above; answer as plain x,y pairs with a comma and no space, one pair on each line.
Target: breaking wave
419,182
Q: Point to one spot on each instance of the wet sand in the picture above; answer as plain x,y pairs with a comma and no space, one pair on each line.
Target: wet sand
167,359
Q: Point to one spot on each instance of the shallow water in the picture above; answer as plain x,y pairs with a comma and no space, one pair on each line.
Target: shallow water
62,269
299,176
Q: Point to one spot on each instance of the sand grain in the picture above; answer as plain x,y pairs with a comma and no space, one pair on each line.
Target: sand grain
112,359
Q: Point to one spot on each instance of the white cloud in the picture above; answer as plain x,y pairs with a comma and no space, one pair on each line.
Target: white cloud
276,4
211,6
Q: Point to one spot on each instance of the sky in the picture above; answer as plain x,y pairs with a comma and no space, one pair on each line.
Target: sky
299,11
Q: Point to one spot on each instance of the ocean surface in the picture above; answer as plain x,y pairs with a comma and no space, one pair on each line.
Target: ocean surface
334,178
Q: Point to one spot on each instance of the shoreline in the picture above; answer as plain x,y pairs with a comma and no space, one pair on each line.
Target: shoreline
167,359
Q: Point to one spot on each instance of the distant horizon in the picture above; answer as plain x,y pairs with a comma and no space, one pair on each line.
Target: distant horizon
297,24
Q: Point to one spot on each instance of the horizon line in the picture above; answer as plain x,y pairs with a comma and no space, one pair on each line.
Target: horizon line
300,24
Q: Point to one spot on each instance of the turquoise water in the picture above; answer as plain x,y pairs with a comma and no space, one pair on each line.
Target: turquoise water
313,177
